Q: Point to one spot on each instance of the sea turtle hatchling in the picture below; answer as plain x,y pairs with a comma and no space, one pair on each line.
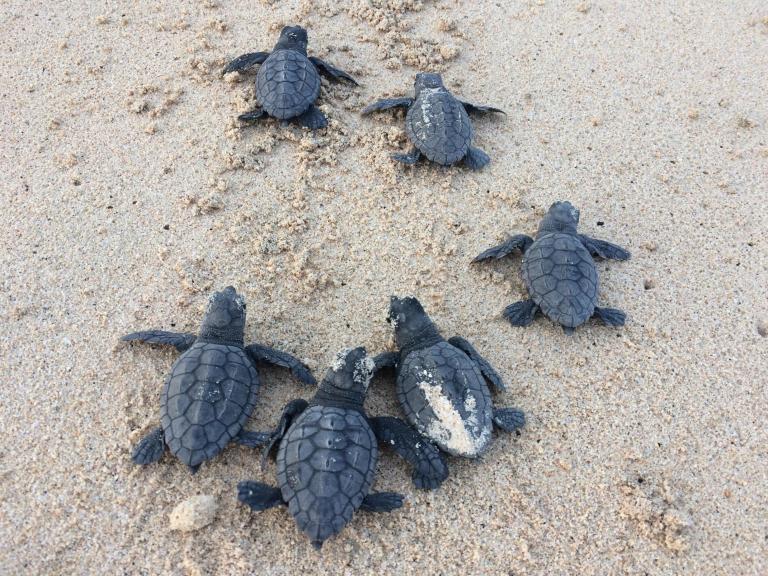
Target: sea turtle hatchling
437,124
441,384
327,455
213,386
559,271
288,82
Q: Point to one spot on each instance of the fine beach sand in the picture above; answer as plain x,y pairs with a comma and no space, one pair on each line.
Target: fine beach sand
129,193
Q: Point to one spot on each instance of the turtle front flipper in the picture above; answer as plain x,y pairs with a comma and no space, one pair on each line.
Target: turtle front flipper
268,355
245,61
517,242
259,496
508,419
610,316
382,502
603,249
180,340
478,108
312,118
410,158
150,448
386,104
330,70
252,439
483,365
385,360
429,467
476,158
521,313
293,409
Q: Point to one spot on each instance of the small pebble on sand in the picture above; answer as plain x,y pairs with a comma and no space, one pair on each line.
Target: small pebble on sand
194,513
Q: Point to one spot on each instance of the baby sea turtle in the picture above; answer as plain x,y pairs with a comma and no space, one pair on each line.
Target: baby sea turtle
437,124
288,82
212,388
441,384
328,452
559,272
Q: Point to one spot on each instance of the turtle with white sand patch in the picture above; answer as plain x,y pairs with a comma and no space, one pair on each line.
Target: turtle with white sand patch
437,123
442,384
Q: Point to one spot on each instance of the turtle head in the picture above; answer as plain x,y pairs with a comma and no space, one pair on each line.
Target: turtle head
349,375
224,319
409,320
293,38
427,80
561,217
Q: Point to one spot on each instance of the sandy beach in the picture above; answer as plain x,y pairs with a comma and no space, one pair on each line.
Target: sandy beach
130,192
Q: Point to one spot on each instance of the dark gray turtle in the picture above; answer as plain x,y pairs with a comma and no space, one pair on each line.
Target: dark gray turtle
328,451
559,272
437,124
288,82
213,386
441,384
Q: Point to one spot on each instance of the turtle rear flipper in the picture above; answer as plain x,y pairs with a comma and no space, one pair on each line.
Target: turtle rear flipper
610,316
253,115
521,313
180,340
259,496
429,468
150,448
410,158
476,158
312,118
508,419
382,502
